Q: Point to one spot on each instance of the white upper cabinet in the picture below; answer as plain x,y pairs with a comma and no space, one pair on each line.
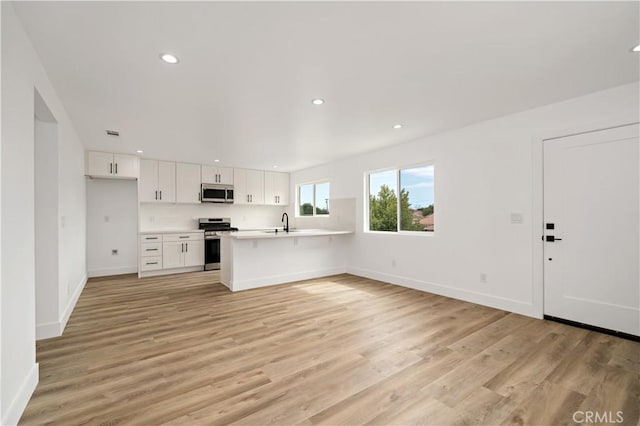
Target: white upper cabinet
187,183
214,174
157,181
248,186
110,165
276,188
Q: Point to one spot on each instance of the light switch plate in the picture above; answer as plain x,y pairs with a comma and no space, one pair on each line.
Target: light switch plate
517,218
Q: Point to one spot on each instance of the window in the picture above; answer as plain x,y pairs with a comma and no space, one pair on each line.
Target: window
413,211
313,199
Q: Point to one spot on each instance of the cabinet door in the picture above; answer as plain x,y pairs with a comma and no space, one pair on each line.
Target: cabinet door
225,175
194,253
187,183
172,255
209,174
240,195
255,186
270,196
167,181
148,182
125,166
99,163
282,188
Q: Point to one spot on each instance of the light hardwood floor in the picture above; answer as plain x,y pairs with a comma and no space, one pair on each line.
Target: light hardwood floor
341,350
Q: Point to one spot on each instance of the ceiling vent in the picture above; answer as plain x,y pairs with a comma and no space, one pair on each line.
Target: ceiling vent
113,133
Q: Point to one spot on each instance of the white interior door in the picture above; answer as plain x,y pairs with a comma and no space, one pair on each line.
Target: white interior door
592,203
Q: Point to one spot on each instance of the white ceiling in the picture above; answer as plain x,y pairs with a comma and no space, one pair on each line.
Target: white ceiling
248,71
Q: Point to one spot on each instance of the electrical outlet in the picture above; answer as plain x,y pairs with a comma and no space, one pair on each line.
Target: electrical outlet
114,252
483,277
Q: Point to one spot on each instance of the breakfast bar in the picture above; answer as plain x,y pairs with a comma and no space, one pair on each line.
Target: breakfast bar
254,259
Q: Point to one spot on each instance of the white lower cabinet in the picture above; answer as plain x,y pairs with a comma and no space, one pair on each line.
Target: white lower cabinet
172,256
171,253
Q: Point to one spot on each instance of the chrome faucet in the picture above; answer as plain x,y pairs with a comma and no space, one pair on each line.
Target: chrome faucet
286,226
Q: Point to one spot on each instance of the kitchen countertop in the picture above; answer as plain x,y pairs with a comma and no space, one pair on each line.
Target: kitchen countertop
294,233
170,231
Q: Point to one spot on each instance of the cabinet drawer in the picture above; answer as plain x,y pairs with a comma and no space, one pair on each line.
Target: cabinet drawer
151,263
183,237
150,238
151,249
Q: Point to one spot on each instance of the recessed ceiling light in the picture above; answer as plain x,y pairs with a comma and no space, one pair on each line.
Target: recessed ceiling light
275,167
636,49
317,101
397,126
169,58
139,151
216,161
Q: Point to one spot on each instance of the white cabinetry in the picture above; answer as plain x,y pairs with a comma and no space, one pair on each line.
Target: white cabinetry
221,175
187,183
110,165
276,188
157,181
248,186
150,252
171,253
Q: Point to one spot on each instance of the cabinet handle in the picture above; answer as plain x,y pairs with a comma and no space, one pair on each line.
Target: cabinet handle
184,236
110,168
150,249
156,195
152,263
116,168
151,238
161,195
187,247
181,247
247,198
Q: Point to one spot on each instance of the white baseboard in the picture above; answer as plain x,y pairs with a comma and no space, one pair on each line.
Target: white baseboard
105,272
48,330
490,300
55,329
286,278
19,403
72,303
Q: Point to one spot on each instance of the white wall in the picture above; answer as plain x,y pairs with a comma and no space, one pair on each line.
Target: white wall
46,226
185,216
112,223
21,73
482,173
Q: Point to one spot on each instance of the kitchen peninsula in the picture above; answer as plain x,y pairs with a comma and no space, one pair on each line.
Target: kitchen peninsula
254,259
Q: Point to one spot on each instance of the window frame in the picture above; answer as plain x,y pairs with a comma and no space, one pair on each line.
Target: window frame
397,170
314,183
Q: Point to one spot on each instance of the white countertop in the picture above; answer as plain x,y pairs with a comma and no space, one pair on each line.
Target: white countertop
170,231
294,233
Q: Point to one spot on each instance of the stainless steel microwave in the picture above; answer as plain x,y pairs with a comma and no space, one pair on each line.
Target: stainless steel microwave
217,193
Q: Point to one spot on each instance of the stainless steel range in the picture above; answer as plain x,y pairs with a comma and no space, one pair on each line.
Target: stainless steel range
212,227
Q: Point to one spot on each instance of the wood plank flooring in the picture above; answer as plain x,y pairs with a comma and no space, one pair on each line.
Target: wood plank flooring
342,350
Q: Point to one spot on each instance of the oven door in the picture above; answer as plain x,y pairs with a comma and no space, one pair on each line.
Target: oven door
211,253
